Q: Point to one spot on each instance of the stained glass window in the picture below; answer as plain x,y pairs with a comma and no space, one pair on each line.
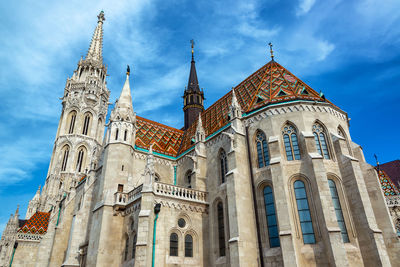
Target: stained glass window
338,211
304,212
291,142
262,149
272,224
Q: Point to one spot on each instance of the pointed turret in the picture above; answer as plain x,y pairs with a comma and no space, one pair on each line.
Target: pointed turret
95,51
123,109
193,96
200,133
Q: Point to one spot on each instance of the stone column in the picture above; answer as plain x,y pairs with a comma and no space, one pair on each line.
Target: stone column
370,238
331,234
242,226
289,255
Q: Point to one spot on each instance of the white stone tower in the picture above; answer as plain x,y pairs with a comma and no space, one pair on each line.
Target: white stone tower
81,127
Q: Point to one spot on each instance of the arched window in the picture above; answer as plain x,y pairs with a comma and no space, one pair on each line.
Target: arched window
304,212
173,245
79,161
188,246
262,149
134,246
223,165
291,142
338,211
72,120
116,134
320,140
125,135
126,248
100,129
342,133
272,223
65,158
221,229
188,179
86,124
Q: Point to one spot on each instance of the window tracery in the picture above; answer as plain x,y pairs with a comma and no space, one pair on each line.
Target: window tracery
223,165
320,140
262,149
291,142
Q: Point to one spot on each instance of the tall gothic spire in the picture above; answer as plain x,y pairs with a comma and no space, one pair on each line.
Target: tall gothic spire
123,107
193,84
95,51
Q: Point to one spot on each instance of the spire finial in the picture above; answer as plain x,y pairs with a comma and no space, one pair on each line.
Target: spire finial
192,45
128,70
101,17
271,51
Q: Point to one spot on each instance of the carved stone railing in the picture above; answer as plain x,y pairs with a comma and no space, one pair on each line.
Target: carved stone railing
393,201
121,199
178,192
29,237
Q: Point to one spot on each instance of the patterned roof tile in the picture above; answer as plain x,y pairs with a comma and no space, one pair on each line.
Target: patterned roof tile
37,224
388,187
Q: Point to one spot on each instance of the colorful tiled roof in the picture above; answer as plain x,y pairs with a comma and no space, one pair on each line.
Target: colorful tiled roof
392,169
37,224
166,139
388,187
270,84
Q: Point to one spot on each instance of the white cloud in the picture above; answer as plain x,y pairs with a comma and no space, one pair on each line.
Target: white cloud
304,7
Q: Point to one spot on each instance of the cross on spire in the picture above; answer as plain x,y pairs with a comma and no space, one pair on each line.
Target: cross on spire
192,45
271,51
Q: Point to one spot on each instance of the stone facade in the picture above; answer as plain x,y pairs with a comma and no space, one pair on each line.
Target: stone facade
113,201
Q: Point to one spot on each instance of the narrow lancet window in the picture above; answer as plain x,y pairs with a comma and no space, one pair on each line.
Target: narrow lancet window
272,224
134,246
173,245
262,149
72,123
320,140
188,246
65,159
221,229
303,209
223,165
338,211
79,162
86,125
291,142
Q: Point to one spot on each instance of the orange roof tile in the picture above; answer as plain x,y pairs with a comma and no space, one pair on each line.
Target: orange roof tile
270,84
37,224
166,139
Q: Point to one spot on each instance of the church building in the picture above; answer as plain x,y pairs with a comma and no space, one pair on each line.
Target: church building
268,175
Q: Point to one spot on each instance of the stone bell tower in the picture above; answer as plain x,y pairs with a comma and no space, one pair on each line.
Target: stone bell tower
81,127
193,97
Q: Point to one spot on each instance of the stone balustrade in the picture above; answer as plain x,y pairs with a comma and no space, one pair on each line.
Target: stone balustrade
120,198
178,192
392,201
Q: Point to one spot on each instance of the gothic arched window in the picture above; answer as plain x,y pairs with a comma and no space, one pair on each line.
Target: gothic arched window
86,124
65,158
80,160
320,140
272,224
134,246
116,134
173,245
188,246
221,229
338,210
223,165
126,248
291,142
262,149
125,135
72,119
188,179
303,209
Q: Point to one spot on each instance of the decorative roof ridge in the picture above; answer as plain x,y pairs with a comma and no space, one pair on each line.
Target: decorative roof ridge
159,124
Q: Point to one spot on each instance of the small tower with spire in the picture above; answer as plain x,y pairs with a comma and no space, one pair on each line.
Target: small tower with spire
34,205
121,127
193,97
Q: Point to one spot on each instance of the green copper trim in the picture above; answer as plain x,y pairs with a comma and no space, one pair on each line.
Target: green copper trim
12,257
154,241
174,175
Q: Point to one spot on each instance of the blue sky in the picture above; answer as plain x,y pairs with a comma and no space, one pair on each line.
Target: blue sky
348,49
